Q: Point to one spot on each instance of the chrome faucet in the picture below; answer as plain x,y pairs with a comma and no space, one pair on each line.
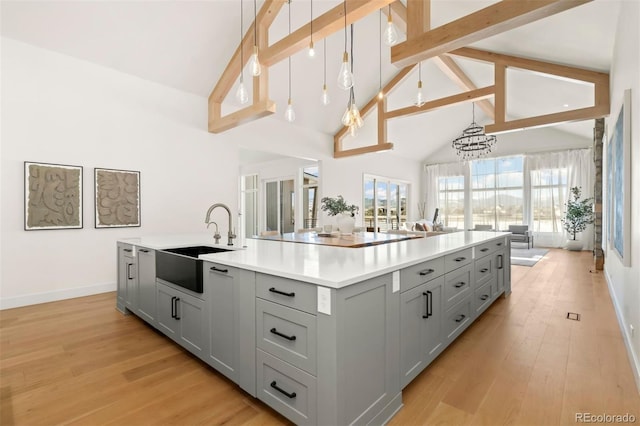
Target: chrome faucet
207,220
216,236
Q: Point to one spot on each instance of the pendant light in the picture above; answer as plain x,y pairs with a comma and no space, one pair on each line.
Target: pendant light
254,62
289,113
351,117
419,96
311,52
241,94
380,93
345,75
473,143
325,93
390,33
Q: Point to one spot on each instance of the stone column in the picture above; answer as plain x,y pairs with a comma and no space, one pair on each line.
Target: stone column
598,253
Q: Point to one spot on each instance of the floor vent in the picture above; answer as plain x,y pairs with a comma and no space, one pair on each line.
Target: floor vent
573,316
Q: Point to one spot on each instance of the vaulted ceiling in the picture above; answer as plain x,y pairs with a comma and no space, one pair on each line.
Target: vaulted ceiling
186,45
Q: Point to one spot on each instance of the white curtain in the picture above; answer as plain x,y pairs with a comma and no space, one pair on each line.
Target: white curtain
432,175
551,175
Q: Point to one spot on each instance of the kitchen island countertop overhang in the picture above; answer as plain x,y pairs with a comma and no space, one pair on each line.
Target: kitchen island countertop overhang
333,267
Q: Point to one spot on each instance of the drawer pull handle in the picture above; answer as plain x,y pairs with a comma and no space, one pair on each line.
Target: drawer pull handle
484,297
427,272
213,268
173,307
500,263
144,250
460,317
483,270
460,284
277,333
282,391
460,259
498,244
177,313
428,304
129,276
128,250
273,290
484,249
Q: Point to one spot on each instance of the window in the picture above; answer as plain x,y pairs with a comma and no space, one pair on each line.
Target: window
548,198
451,201
249,207
496,192
385,203
309,197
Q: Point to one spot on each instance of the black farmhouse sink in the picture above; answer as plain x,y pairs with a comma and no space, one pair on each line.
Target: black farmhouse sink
182,267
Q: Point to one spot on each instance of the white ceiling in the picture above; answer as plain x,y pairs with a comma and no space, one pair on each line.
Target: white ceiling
187,44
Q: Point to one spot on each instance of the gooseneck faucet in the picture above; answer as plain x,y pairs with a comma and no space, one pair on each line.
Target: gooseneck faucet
207,220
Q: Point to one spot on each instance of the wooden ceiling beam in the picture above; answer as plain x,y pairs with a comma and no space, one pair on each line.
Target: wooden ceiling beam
418,18
252,112
581,114
363,150
495,19
323,26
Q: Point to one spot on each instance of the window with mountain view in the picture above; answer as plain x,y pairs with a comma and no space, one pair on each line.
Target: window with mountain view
451,201
385,203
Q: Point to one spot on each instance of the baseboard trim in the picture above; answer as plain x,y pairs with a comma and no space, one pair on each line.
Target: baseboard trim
633,358
53,296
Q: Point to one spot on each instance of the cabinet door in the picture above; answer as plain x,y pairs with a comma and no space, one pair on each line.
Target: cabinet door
432,337
501,267
220,283
191,316
131,292
167,322
147,285
122,280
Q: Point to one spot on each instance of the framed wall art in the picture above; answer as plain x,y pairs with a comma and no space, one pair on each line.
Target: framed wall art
621,181
117,198
52,196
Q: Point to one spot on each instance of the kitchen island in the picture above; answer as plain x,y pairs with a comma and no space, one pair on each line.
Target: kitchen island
324,335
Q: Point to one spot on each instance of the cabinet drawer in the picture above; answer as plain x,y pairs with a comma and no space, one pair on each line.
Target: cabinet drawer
483,296
288,390
484,270
457,285
456,260
489,247
457,319
287,333
421,273
294,294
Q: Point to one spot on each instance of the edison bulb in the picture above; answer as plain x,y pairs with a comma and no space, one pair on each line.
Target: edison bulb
325,96
241,94
289,113
390,33
311,52
419,96
254,63
345,77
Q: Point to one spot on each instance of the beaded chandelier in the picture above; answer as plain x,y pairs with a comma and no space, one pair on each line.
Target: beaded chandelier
473,143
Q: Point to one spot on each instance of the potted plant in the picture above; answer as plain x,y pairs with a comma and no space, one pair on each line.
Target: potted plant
578,215
345,212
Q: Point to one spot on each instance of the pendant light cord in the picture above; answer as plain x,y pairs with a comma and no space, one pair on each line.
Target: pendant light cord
352,97
345,24
289,55
255,25
380,50
310,22
324,52
241,43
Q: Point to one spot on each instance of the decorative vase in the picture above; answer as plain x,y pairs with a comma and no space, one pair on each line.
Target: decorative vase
574,245
346,223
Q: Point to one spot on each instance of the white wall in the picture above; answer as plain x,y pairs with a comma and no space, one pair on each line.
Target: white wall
624,282
526,141
57,109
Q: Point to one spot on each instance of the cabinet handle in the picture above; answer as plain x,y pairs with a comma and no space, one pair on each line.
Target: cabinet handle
282,391
213,268
129,265
460,259
177,299
173,307
460,284
483,270
426,304
498,244
277,333
484,249
144,250
273,290
460,317
128,250
484,297
500,260
427,272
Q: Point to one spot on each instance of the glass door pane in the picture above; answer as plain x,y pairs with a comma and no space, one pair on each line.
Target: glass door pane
272,204
382,208
287,206
369,204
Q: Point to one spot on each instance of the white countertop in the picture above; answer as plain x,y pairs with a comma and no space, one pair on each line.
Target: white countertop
334,267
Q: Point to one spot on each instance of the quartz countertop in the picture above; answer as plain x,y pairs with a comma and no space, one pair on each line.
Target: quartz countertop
333,267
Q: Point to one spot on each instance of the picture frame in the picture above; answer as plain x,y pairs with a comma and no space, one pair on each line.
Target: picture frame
52,196
620,145
117,198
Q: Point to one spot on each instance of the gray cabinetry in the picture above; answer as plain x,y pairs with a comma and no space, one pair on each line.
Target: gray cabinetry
182,317
127,282
420,328
146,295
231,323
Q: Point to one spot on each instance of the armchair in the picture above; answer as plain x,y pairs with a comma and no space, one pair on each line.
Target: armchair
521,234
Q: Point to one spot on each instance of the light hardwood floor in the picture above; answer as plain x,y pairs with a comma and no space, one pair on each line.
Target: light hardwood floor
523,363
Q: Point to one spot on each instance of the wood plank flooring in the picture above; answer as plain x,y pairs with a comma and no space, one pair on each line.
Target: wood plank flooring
81,362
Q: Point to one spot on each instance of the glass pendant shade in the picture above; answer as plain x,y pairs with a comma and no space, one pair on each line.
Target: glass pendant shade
390,33
380,94
325,96
311,52
254,63
242,96
346,117
289,113
419,96
345,77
